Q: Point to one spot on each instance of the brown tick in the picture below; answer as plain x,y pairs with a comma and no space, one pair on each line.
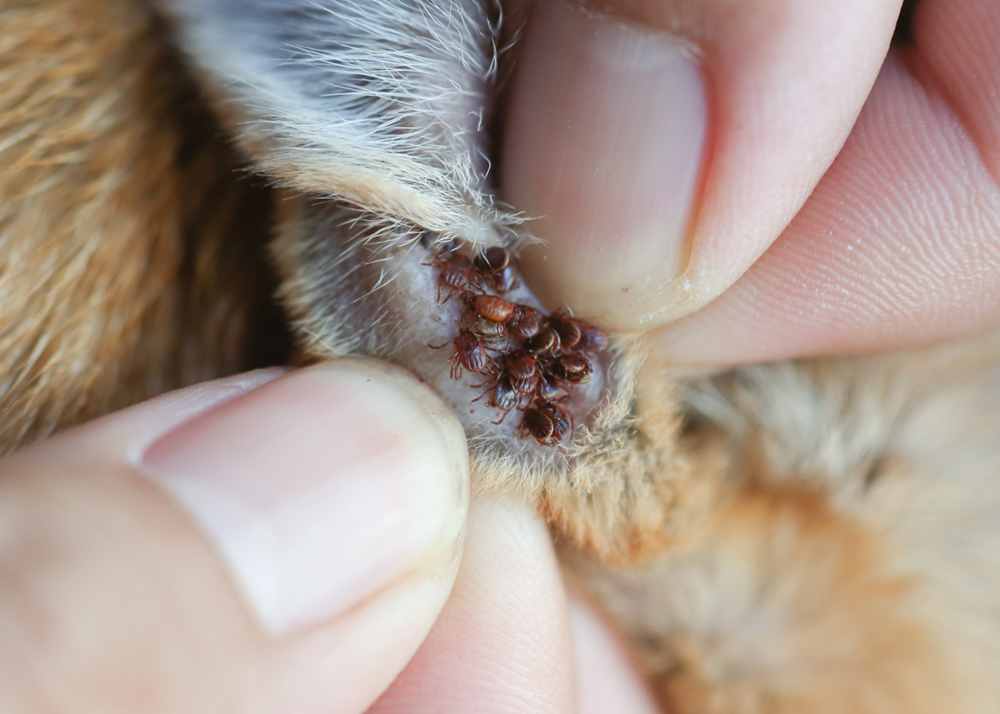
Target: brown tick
469,353
522,371
524,323
547,422
456,272
574,368
567,328
545,342
496,269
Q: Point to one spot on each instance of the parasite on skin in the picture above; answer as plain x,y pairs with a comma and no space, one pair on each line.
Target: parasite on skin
492,308
574,368
456,270
496,270
493,260
567,329
524,323
505,398
521,364
469,353
534,367
547,422
545,342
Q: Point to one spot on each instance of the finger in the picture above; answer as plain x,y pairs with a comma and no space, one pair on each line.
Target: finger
502,642
662,157
898,246
282,549
607,681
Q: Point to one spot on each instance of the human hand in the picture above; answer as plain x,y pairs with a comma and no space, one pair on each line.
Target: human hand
280,544
722,188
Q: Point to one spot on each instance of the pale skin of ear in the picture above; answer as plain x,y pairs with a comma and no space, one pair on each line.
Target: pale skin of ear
822,219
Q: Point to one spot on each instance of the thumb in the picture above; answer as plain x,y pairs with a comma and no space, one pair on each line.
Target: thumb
663,145
265,543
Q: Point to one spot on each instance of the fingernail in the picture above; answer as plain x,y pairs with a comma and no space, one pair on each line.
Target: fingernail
604,145
320,488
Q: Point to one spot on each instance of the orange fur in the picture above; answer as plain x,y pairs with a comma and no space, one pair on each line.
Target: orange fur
132,257
848,560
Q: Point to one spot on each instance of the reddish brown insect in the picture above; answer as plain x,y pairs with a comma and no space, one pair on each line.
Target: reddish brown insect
519,371
567,328
547,387
538,425
492,308
496,269
562,420
456,272
524,323
526,385
487,329
505,398
545,342
547,422
469,353
520,364
493,260
574,368
487,315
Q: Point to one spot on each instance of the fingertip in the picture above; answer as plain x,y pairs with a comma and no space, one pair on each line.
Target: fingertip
604,143
607,679
320,488
502,643
284,531
893,250
656,179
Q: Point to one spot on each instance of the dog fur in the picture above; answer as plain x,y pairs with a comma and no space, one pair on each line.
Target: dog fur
797,537
120,221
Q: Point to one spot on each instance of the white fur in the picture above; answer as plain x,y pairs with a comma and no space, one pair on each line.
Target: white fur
379,102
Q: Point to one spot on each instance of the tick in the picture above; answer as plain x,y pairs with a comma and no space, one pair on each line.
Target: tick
469,353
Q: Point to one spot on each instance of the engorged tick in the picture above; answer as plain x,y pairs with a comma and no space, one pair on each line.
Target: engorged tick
492,307
545,342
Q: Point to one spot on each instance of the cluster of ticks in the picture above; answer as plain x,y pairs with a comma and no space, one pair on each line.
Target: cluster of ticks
530,360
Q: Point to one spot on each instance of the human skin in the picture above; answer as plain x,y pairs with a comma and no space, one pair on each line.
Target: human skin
282,542
824,219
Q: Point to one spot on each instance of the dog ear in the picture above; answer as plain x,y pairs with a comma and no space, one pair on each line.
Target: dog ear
379,102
